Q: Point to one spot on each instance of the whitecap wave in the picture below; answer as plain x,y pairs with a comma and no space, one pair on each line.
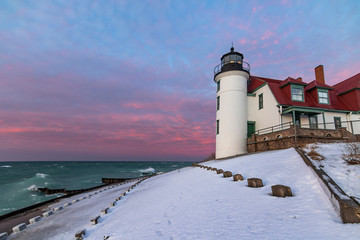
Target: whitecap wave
148,170
6,166
32,188
41,175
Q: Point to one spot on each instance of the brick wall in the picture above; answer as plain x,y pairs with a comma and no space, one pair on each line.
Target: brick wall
293,137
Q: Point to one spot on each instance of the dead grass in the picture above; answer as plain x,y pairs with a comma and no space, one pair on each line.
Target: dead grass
352,153
314,155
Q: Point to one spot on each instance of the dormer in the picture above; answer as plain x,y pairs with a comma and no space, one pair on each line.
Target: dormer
294,89
319,91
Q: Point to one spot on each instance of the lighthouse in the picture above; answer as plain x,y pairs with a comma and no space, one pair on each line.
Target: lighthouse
231,77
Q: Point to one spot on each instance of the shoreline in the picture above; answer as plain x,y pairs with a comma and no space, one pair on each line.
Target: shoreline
23,215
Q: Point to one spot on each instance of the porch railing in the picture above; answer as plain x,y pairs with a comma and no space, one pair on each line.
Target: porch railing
351,126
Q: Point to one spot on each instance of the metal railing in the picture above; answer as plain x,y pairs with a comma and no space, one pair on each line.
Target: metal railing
272,129
244,66
351,126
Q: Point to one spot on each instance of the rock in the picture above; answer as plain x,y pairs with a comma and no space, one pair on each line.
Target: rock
19,228
227,174
58,208
3,236
95,220
281,191
219,171
238,177
48,213
105,211
34,219
80,235
254,182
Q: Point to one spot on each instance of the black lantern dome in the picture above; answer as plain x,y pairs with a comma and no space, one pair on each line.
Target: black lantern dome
232,61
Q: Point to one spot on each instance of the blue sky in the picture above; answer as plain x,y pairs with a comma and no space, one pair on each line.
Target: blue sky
133,80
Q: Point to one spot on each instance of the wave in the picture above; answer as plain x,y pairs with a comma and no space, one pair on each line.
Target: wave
6,166
41,175
32,188
150,169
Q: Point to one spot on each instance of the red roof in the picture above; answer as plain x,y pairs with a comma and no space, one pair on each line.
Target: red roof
283,96
314,84
348,84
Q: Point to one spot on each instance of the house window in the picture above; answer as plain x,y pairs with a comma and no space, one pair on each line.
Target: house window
297,93
261,101
218,86
217,126
313,122
337,121
323,96
218,103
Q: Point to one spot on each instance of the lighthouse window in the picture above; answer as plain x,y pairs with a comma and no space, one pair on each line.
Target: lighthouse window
217,126
261,101
218,86
218,103
297,93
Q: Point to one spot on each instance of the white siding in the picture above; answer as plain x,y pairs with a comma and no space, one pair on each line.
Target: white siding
232,136
267,116
356,125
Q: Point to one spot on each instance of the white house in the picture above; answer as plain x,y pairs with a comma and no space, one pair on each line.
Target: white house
248,104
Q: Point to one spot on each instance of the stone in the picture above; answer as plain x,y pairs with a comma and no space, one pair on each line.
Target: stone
281,191
118,199
3,236
34,219
219,171
238,177
255,182
58,208
67,204
105,211
95,220
48,213
227,174
80,235
112,204
75,201
19,228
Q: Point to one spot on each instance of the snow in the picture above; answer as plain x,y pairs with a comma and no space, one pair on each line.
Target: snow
346,176
193,203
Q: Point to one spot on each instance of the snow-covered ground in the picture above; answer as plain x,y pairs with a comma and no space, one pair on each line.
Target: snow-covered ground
345,175
193,203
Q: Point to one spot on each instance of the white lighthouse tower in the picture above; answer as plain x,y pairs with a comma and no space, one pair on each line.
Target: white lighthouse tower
231,76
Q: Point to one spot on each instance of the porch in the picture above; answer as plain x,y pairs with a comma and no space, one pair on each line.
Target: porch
292,134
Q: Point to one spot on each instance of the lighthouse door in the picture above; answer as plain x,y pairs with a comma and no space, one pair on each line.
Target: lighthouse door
251,128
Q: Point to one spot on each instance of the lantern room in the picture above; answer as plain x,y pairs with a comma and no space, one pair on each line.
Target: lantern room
231,61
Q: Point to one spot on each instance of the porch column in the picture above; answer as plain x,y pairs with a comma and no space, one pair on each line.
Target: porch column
324,120
293,115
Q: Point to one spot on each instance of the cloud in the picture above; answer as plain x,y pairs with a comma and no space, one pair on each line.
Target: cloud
134,80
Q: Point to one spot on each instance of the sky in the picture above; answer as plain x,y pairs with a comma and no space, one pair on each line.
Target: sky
133,80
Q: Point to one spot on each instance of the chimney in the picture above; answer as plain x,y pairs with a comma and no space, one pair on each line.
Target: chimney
299,79
319,74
